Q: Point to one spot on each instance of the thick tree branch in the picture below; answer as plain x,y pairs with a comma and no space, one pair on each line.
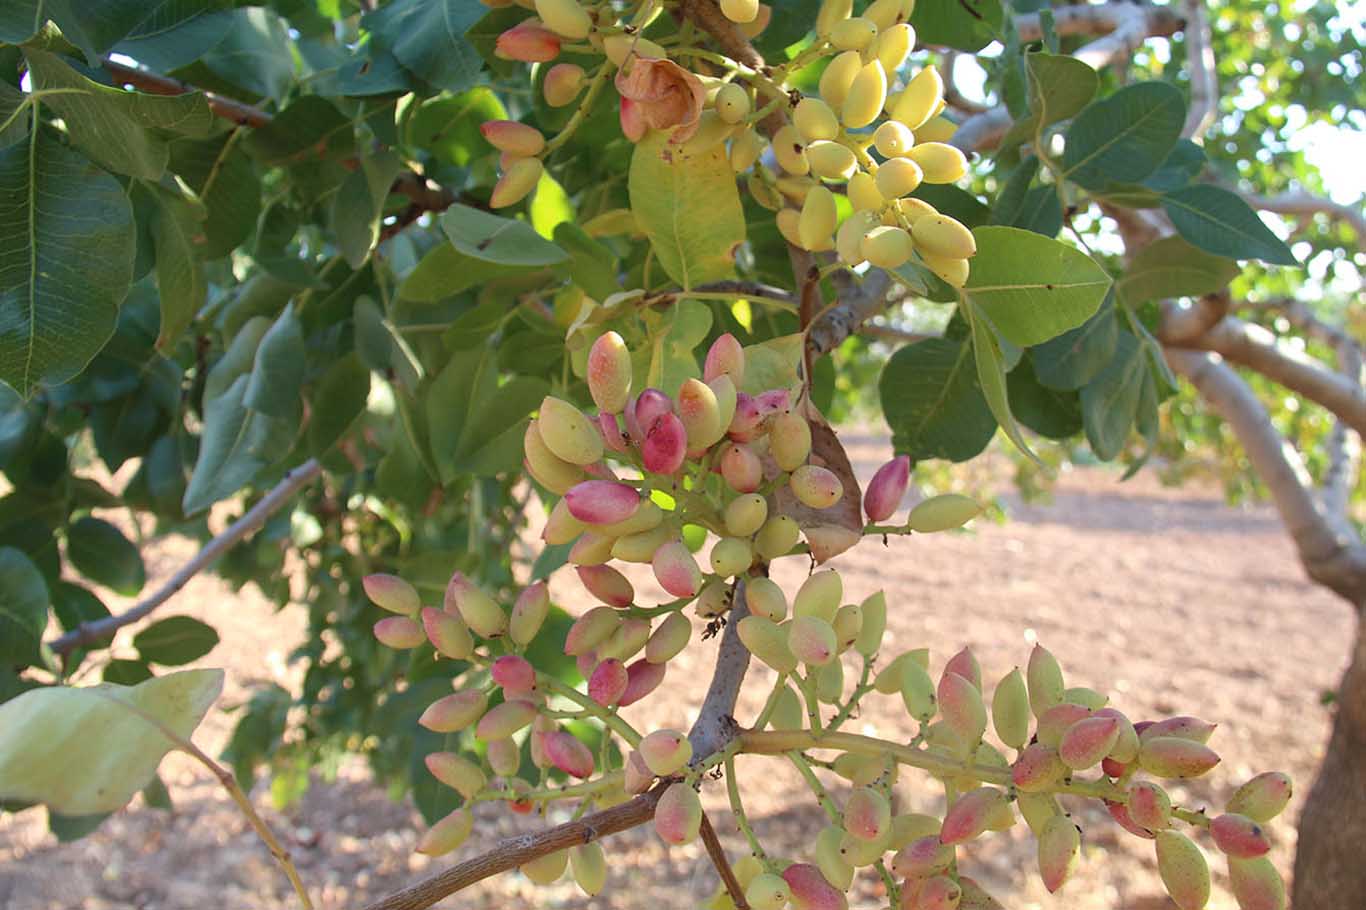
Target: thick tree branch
952,96
512,852
1121,28
859,302
1332,559
715,726
1252,346
90,632
1204,75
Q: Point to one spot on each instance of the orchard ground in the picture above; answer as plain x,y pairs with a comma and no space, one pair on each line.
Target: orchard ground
1167,600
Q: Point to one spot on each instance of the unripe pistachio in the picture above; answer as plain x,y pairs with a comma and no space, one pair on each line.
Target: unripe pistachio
514,674
939,893
678,815
814,120
839,77
676,570
887,247
1086,697
1010,710
1183,727
1056,721
740,11
612,436
607,682
1263,797
731,556
894,139
568,754
745,515
953,272
887,488
447,634
745,148
893,45
1088,741
920,99
818,219
519,179
831,160
669,639
867,814
885,13
591,549
777,537
1239,836
888,679
1037,768
723,388
1256,884
389,592
898,177
725,357
665,446
1059,848
789,439
609,372
503,720
562,84
849,238
867,93
553,472
700,413
646,517
767,891
812,640
504,756
590,630
961,704
665,752
789,150
517,139
911,209
1045,680
864,195
763,597
589,867
917,690
819,595
1125,749
546,869
968,816
454,713
788,713
732,103
910,827
941,162
816,487
1036,809
788,222
874,624
565,18
848,622
399,632
481,613
936,129
642,678
830,682
941,235
922,857
602,502
447,834
711,131
810,890
831,14
1149,806
741,469
1184,870
714,601
853,34
619,47
1173,757
641,547
568,434
767,641
527,42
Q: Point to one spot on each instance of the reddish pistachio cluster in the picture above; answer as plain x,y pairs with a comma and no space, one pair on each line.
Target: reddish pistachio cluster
825,155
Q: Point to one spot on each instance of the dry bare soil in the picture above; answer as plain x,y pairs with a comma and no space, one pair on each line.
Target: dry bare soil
1167,600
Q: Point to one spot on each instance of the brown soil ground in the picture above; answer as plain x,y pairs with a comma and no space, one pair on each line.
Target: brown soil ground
1168,600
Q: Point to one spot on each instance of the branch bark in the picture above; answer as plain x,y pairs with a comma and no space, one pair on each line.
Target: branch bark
1204,75
859,302
1307,204
512,852
90,632
723,869
715,726
1121,28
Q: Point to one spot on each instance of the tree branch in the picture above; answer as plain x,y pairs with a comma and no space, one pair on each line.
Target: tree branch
293,481
723,869
952,96
859,302
512,852
1330,558
715,726
1300,203
1121,28
1203,73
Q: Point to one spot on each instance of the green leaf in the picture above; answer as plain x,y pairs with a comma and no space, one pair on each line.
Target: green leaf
300,130
428,38
1171,267
115,127
991,372
690,209
932,399
1109,403
1077,356
448,126
1034,208
257,733
68,828
550,206
358,204
502,241
23,608
100,552
251,409
591,264
1059,87
1032,288
1221,223
222,175
948,23
181,285
156,796
1123,138
1051,413
255,53
89,750
177,33
476,424
175,640
74,604
97,26
66,261
125,672
337,401
445,272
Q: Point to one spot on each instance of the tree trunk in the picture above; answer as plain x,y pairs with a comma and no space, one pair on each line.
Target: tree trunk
1330,863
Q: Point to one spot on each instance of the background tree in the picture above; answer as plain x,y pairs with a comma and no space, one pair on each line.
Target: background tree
238,277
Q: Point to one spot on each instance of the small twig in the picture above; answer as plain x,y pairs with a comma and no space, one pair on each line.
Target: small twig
718,859
293,481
